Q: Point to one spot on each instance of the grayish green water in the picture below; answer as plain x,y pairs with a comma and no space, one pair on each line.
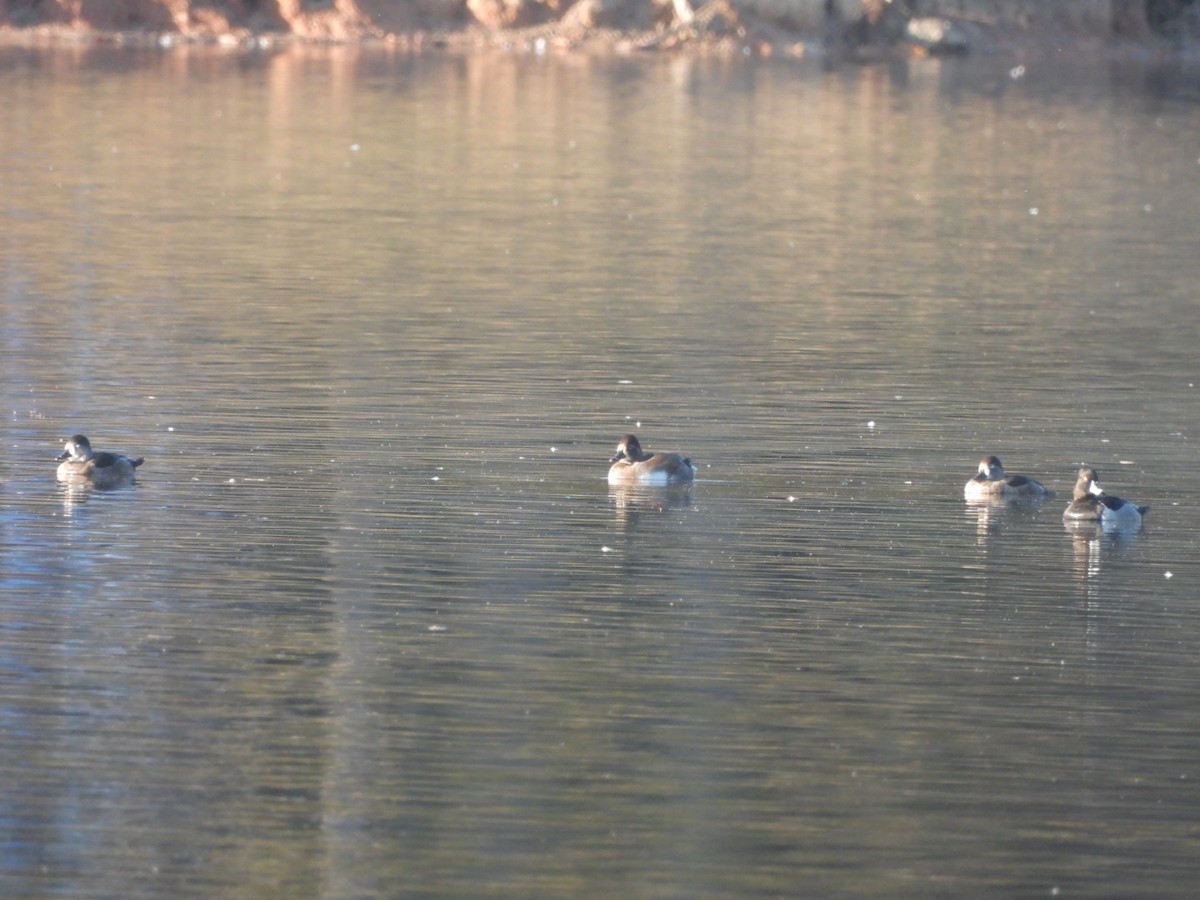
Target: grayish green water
371,623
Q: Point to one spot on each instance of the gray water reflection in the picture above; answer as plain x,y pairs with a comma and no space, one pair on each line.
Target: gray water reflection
371,622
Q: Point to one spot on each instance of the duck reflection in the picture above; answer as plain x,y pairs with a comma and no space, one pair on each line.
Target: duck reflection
631,502
992,513
76,493
989,518
1087,539
1092,543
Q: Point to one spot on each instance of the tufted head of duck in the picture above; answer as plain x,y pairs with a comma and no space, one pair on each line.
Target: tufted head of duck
77,449
629,448
990,468
1087,484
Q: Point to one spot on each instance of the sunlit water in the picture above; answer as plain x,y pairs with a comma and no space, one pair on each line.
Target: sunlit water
371,622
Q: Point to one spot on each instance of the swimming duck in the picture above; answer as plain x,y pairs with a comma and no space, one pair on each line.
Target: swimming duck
80,463
632,465
992,483
1090,504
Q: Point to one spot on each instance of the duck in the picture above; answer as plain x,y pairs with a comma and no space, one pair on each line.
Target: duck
632,465
79,462
1090,503
992,484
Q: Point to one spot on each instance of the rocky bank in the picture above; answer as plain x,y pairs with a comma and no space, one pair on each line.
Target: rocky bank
765,26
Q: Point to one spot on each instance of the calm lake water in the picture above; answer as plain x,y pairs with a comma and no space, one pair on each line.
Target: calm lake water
372,624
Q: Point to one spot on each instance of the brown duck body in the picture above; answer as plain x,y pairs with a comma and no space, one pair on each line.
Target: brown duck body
993,484
1090,503
632,465
79,462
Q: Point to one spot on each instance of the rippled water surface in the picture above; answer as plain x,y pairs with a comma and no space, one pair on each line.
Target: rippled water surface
371,622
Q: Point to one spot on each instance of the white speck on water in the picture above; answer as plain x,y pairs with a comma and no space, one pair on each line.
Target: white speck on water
624,381
791,498
871,424
437,628
553,449
1168,574
606,549
435,478
1033,210
1016,73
